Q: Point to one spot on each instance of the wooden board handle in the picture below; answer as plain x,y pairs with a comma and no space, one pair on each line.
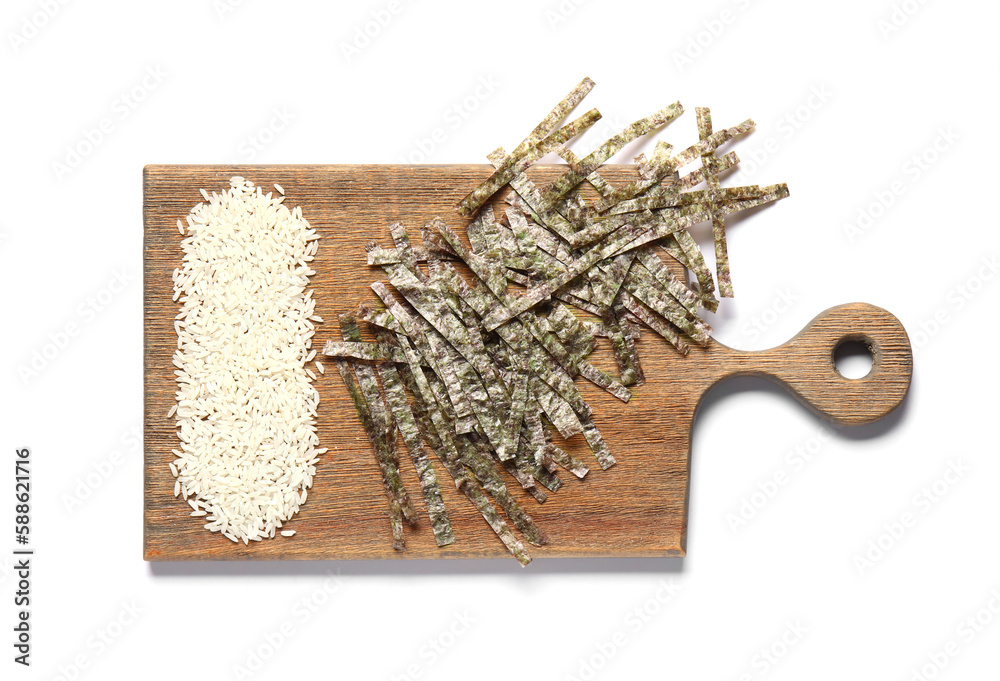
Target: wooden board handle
805,364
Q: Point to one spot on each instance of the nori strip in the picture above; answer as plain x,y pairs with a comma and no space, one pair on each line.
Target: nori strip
364,352
488,476
653,321
580,171
489,369
567,461
435,350
623,348
515,164
662,275
375,436
383,422
449,456
718,220
396,398
640,284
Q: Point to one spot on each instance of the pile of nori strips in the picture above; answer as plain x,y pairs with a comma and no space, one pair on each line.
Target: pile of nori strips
479,372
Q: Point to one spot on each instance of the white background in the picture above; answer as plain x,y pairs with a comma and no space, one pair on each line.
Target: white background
788,581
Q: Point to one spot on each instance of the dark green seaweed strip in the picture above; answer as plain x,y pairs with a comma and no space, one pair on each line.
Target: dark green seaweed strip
525,479
364,352
613,274
674,163
541,214
533,457
558,113
558,411
487,270
527,197
478,342
519,396
396,398
772,192
375,437
435,350
470,451
704,200
402,241
477,230
598,229
597,444
449,456
556,377
543,237
718,218
587,260
602,186
578,172
571,330
600,289
488,476
696,263
696,177
537,470
385,443
604,380
653,321
580,303
671,284
567,461
640,285
516,164
661,154
382,256
534,139
486,399
377,255
539,361
536,433
629,370
533,259
645,228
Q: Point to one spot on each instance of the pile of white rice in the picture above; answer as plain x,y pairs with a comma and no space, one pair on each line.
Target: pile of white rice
246,406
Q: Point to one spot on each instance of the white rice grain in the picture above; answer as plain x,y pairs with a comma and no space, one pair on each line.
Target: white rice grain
246,406
288,533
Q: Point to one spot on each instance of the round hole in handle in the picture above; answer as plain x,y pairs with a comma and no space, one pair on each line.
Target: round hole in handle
853,357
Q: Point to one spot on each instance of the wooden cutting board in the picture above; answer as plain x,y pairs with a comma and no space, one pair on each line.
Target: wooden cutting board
636,508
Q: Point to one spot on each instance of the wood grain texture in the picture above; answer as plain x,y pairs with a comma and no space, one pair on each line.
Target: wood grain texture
637,508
